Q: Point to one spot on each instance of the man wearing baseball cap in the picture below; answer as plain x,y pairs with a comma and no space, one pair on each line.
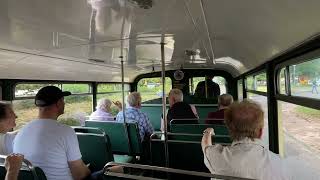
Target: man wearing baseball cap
48,144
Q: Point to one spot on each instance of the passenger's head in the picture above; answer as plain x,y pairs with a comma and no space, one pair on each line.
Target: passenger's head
175,95
104,104
244,120
7,117
225,100
134,99
209,77
50,100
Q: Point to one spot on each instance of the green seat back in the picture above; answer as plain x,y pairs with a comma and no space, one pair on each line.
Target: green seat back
224,139
185,155
26,174
117,134
198,128
135,141
157,152
95,149
204,110
154,113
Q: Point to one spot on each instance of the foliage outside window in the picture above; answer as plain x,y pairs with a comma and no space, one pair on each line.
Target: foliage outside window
257,82
305,79
77,106
151,88
260,81
113,92
250,83
282,81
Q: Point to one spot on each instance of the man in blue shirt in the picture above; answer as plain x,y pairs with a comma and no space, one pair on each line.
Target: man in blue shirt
134,114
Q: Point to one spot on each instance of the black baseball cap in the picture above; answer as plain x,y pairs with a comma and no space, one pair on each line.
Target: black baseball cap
49,95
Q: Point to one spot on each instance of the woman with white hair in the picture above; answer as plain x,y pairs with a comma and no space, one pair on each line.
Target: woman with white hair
103,111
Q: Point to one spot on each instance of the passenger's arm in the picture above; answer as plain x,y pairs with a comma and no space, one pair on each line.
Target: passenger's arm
206,138
13,164
78,169
194,110
118,105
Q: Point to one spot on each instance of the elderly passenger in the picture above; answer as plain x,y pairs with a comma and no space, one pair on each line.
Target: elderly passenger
103,111
179,109
134,114
7,122
246,157
224,101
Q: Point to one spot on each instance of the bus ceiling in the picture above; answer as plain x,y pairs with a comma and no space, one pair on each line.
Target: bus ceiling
81,40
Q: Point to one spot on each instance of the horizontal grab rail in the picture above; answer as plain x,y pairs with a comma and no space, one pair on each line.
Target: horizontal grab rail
106,170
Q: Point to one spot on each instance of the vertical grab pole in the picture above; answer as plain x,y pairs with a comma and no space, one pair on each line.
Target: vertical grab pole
164,101
122,81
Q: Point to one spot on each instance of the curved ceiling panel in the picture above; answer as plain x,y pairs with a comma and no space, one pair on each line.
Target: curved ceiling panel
82,40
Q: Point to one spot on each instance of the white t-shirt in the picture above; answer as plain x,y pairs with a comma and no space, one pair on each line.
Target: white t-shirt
6,143
50,146
246,159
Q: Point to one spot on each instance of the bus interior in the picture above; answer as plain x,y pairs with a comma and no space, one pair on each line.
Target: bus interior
265,51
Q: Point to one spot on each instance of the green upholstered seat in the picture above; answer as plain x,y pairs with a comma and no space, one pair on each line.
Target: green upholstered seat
122,144
204,110
198,128
154,113
95,149
117,133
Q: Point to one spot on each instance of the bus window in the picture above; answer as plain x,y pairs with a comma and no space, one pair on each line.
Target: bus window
240,90
305,79
257,82
23,103
260,81
150,88
262,100
282,81
217,79
112,91
299,134
77,106
250,83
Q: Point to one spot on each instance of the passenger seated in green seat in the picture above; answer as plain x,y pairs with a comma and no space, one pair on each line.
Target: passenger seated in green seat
48,144
247,157
134,114
7,122
103,111
224,101
179,109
